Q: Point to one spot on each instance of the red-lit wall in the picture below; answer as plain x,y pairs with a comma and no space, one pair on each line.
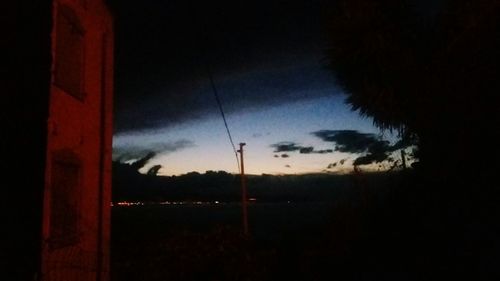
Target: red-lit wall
81,126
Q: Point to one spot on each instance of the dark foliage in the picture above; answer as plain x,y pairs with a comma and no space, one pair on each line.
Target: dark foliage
143,161
153,171
425,68
349,141
431,73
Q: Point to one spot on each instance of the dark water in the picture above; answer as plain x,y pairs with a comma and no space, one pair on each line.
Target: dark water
204,242
393,231
267,221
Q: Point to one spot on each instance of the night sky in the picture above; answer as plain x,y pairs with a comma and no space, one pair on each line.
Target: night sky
269,67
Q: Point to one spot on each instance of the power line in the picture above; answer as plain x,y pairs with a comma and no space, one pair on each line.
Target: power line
219,104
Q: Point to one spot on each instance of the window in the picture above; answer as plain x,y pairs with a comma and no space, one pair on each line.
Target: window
69,54
64,203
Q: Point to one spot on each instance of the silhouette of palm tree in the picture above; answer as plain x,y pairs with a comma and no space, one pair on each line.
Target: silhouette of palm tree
422,70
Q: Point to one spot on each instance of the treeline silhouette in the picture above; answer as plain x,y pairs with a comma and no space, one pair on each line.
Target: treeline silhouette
131,185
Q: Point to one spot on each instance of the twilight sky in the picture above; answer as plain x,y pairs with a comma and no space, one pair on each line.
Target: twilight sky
268,62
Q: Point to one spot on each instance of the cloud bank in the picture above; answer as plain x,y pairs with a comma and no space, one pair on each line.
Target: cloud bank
289,146
373,148
125,153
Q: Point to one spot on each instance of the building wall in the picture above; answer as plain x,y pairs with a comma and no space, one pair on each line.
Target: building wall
77,194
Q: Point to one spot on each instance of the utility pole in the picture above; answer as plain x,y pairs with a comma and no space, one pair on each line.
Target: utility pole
403,158
243,193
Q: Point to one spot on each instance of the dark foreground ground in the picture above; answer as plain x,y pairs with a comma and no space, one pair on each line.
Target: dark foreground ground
205,242
391,230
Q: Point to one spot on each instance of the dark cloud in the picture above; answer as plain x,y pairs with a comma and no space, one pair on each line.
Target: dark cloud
373,148
163,105
332,165
350,141
284,155
370,158
286,146
378,152
323,151
131,152
306,150
310,149
261,54
335,164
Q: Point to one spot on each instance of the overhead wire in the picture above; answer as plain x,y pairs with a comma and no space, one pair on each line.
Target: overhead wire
221,110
